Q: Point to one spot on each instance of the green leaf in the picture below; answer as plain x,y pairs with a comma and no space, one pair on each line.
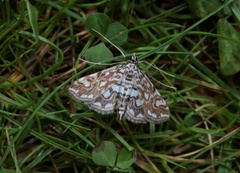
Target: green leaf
33,18
125,159
117,33
98,53
228,48
99,22
105,154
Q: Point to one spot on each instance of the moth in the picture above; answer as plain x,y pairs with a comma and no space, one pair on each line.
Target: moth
124,88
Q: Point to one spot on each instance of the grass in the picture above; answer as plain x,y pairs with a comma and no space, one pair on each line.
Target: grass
44,130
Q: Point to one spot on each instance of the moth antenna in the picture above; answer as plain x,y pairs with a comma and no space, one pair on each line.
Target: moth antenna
110,42
163,72
164,84
157,68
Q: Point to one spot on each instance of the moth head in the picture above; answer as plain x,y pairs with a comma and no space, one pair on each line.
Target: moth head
134,59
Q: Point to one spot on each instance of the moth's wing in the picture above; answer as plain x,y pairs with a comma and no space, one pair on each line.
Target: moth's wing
155,107
99,90
146,104
135,108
